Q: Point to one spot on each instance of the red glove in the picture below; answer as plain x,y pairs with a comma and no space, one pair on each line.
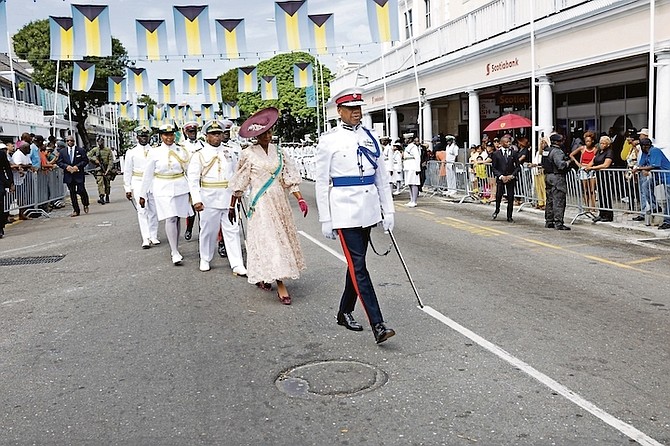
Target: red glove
303,207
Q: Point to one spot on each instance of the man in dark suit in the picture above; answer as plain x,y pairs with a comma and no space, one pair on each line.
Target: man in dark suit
506,168
73,160
6,182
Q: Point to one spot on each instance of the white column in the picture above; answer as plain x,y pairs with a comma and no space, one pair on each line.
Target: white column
393,123
661,128
475,128
545,105
367,120
427,121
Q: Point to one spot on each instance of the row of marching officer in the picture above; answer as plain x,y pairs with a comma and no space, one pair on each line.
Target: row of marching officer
166,179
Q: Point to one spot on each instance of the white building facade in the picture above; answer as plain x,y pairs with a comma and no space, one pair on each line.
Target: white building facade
591,62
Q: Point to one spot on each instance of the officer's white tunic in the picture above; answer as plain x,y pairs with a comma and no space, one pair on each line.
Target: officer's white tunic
209,171
412,164
350,206
165,177
133,172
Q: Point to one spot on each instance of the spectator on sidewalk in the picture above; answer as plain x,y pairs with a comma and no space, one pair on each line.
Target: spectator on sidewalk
603,160
23,163
586,154
652,158
451,151
538,173
6,182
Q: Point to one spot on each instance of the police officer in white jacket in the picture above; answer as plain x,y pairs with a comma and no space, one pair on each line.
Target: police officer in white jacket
350,158
208,173
192,144
133,169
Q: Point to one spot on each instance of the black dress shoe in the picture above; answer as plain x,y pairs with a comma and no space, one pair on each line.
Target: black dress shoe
222,249
562,227
549,225
381,332
510,220
597,219
664,226
495,215
348,321
638,218
188,234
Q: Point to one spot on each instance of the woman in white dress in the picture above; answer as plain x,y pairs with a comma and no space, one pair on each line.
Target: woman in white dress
412,168
273,247
164,176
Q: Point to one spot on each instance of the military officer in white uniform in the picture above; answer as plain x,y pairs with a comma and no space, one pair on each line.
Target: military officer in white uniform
133,171
229,144
165,177
353,194
193,145
208,175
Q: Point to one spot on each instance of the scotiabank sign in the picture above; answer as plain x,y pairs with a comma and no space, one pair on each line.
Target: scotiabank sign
492,68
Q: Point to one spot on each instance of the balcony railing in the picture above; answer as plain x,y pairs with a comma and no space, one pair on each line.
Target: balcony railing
22,113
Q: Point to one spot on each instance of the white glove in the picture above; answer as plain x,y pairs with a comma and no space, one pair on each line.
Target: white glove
387,222
327,230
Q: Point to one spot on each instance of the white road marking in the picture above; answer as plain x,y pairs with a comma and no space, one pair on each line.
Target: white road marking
625,428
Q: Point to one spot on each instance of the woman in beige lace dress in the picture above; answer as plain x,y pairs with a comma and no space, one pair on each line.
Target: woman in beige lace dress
273,248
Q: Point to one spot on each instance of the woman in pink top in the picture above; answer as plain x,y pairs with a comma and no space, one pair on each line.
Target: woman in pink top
588,178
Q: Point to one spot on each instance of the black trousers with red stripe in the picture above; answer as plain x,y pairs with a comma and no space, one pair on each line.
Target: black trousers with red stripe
358,283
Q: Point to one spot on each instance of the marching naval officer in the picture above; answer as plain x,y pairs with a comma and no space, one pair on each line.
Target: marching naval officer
350,157
133,170
193,145
208,175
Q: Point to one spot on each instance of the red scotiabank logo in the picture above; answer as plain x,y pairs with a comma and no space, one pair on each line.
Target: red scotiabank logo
503,65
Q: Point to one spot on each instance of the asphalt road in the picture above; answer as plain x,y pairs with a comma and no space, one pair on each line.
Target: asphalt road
528,336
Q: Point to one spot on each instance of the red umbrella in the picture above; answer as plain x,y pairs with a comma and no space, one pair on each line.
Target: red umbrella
510,121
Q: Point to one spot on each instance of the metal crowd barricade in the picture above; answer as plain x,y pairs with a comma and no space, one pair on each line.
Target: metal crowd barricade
37,189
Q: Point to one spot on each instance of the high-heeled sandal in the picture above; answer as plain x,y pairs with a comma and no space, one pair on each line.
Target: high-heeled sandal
286,300
264,286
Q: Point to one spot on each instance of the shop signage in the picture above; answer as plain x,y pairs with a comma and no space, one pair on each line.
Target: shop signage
506,100
502,65
488,109
377,99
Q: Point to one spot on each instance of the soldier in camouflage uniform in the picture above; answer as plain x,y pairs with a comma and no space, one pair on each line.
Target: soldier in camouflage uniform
102,157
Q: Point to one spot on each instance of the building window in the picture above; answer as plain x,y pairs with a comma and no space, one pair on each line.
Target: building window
408,24
428,21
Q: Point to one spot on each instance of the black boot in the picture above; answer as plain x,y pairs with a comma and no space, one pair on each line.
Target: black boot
381,332
348,321
101,200
106,198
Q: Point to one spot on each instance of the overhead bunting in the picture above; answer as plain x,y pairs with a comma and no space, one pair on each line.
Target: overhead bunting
4,44
247,80
231,110
159,112
193,81
83,75
303,75
138,80
166,91
192,29
322,32
207,112
152,39
172,111
383,19
124,110
291,22
116,89
189,114
61,37
269,88
92,31
231,38
212,90
143,114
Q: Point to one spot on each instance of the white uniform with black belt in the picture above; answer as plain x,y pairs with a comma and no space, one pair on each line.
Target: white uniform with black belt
133,171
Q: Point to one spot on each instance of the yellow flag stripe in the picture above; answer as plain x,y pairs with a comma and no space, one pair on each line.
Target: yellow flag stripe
292,32
320,38
193,85
153,48
93,43
166,93
232,51
139,85
247,82
117,92
384,22
303,78
193,37
83,79
67,44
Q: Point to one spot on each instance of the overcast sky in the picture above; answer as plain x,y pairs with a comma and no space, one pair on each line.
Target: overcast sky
352,35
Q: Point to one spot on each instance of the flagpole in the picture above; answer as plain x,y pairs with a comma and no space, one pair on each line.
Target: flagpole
69,109
11,69
387,127
323,100
533,95
318,103
652,69
56,95
419,119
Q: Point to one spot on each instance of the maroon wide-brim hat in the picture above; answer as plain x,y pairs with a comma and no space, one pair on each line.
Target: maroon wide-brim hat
259,123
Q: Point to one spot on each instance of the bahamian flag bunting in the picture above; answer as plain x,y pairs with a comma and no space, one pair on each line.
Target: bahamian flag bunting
189,114
124,110
61,38
92,32
172,111
166,91
159,112
143,113
383,19
247,80
231,110
138,80
303,75
4,44
269,88
207,111
116,89
83,75
192,29
231,38
151,39
193,81
291,22
322,32
212,90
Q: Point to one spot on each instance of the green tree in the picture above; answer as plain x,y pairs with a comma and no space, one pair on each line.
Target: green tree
296,120
32,43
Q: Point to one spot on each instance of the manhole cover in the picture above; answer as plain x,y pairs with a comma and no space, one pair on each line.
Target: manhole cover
330,378
12,261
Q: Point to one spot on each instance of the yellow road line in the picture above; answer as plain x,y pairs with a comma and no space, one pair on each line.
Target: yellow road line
650,259
546,245
610,262
426,212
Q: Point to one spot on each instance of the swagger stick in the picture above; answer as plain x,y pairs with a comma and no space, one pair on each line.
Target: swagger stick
404,265
240,206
